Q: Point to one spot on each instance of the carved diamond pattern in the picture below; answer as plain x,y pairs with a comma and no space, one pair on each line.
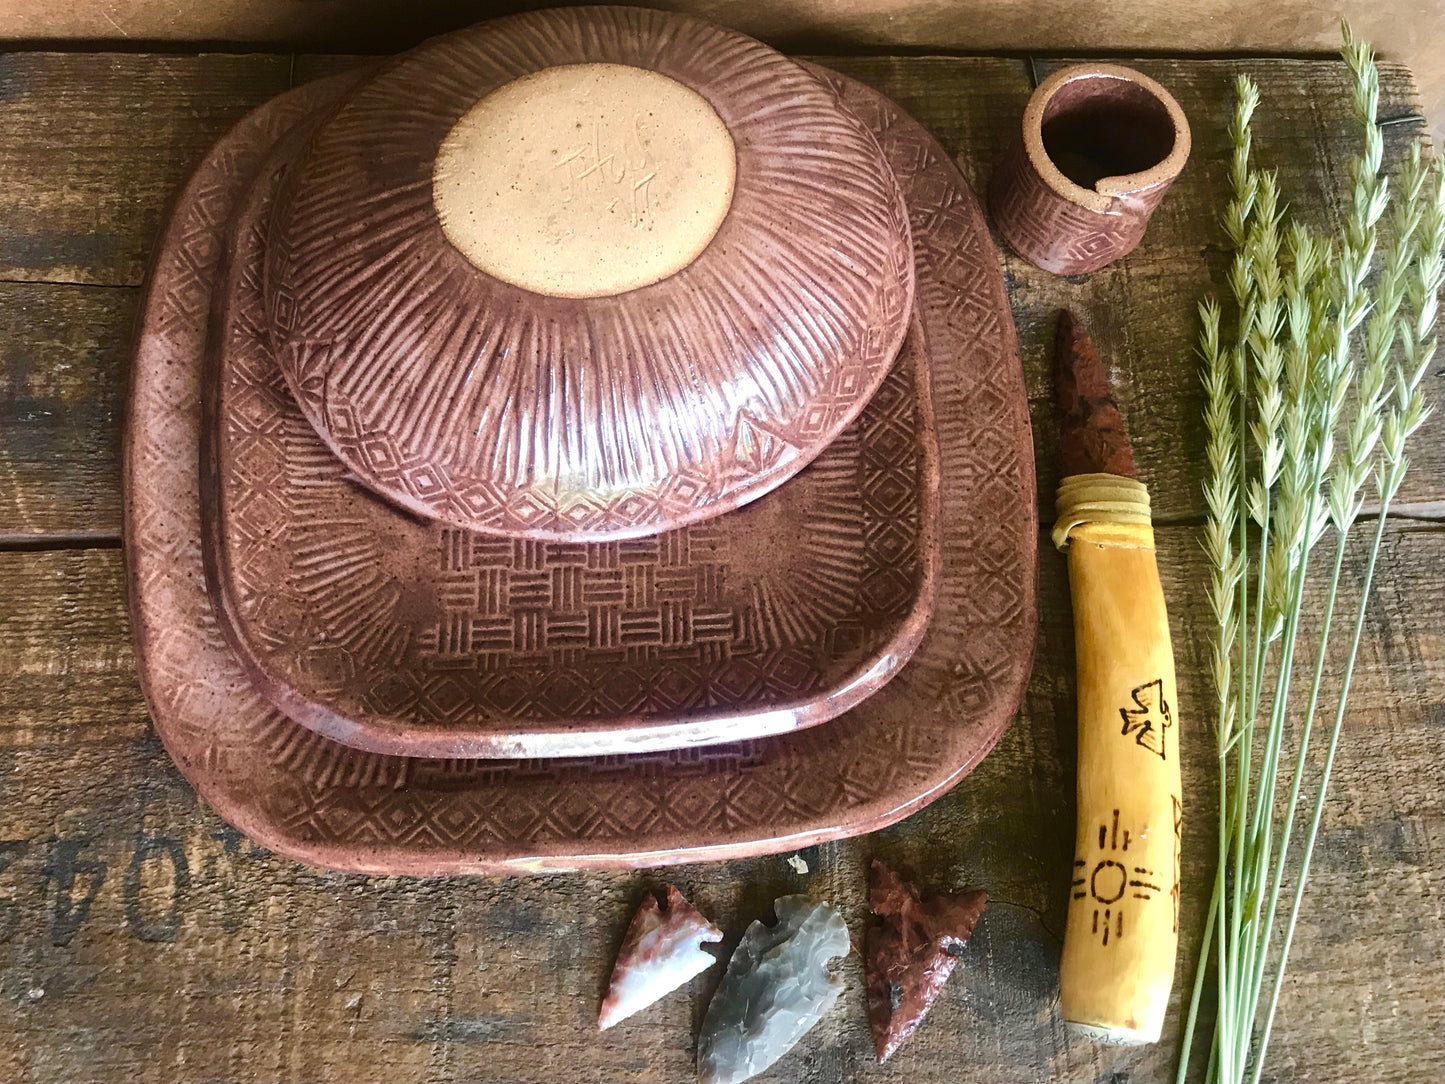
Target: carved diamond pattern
603,632
305,796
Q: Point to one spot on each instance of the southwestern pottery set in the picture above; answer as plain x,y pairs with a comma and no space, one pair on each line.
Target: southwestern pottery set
539,449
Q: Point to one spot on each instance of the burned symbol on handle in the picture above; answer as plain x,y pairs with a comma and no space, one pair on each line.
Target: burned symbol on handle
1150,719
1110,881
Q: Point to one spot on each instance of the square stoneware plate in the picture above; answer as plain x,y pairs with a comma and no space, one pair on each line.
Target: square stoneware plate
400,636
325,803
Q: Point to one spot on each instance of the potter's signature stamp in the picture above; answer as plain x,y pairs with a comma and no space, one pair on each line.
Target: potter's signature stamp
616,173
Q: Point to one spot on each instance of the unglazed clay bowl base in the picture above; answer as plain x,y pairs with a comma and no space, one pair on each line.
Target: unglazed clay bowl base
327,804
399,636
586,274
642,191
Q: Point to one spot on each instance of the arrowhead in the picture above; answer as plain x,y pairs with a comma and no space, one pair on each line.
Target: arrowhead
912,953
662,950
776,988
1092,437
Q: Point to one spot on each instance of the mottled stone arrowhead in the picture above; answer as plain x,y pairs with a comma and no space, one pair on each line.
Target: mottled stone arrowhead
912,953
776,988
662,950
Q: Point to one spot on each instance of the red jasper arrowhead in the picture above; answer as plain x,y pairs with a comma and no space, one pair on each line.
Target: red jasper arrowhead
912,952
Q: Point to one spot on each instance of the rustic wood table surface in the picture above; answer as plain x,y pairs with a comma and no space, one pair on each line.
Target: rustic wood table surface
143,939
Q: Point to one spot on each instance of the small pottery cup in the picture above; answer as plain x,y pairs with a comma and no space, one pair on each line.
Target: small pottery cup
1101,144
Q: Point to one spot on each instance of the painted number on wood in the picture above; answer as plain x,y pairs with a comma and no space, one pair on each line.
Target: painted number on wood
148,922
67,878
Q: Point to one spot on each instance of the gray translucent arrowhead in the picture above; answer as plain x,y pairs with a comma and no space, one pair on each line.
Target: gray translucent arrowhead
776,988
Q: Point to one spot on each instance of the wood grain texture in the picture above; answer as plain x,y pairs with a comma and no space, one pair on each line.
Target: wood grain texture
141,938
64,351
94,144
126,129
1403,30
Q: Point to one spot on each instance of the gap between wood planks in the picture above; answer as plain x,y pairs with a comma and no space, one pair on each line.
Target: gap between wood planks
61,540
1427,516
1431,513
68,282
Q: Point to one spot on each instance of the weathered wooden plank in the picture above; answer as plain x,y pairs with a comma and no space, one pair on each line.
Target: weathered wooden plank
142,939
64,352
138,123
92,145
311,66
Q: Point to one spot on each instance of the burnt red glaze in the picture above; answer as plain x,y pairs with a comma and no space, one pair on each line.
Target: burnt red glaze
1100,146
475,402
304,796
1092,435
912,952
400,636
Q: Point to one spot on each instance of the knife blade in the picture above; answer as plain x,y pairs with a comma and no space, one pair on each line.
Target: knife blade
1092,436
1123,924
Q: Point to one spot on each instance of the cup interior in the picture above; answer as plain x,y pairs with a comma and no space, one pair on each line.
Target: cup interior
1102,126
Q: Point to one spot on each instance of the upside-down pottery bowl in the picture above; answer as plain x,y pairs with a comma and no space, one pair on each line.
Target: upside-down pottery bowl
586,274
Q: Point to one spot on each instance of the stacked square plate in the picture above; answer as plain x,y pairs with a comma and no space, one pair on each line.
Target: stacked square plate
548,449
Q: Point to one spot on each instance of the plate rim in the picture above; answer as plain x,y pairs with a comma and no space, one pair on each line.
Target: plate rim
829,768
513,737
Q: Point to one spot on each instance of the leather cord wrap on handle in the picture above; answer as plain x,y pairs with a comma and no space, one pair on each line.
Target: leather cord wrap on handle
1123,923
1103,501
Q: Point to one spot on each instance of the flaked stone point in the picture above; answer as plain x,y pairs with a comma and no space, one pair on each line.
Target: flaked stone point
585,180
